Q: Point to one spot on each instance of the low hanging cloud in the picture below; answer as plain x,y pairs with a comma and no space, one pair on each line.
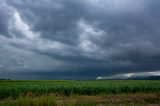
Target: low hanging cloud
83,39
130,75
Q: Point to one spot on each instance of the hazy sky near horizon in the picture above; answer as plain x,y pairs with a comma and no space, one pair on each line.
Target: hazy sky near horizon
78,39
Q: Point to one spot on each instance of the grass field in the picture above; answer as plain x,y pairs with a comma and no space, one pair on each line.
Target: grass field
79,93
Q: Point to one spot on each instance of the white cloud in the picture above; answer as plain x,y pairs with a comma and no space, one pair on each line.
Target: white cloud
22,35
87,34
20,26
23,45
130,75
99,78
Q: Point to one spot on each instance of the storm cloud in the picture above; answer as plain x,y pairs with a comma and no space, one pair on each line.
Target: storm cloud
82,39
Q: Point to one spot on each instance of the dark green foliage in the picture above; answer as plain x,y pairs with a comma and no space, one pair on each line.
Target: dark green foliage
21,88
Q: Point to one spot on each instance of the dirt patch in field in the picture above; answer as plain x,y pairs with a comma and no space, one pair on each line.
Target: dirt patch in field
139,99
120,100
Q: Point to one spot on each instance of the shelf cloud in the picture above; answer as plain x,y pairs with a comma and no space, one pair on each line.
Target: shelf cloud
130,75
82,39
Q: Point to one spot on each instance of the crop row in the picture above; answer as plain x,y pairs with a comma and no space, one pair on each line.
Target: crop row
18,88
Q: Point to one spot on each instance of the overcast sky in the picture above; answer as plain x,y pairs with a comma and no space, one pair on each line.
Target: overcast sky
78,39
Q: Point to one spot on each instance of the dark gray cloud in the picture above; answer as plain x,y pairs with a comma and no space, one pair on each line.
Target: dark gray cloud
5,15
83,39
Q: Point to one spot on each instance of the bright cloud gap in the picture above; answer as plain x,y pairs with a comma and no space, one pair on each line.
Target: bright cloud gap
130,75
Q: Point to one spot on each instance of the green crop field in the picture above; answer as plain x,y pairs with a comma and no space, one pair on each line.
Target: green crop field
51,93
